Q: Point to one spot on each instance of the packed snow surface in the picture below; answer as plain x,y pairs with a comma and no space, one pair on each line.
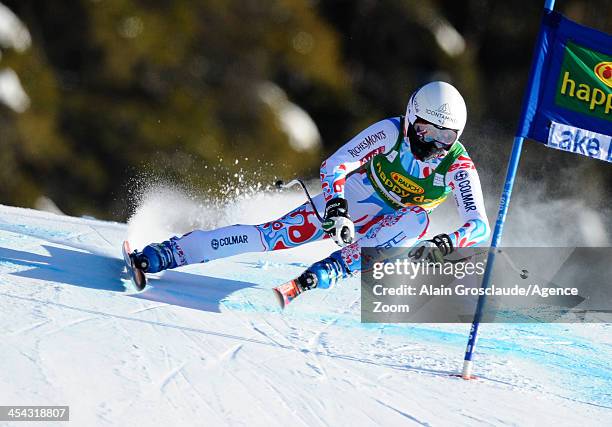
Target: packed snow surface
207,345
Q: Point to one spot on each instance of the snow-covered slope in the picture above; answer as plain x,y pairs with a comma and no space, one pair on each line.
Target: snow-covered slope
206,345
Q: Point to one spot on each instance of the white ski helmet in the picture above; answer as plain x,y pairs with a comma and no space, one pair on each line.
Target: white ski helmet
439,103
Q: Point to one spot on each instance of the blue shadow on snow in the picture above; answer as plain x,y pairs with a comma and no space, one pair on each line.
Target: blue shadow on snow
191,290
93,271
67,266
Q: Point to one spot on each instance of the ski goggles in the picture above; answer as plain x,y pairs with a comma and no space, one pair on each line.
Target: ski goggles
441,137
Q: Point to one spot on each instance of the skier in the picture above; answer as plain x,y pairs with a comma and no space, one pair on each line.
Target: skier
378,188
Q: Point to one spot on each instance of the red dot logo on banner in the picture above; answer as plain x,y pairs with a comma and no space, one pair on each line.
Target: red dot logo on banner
603,71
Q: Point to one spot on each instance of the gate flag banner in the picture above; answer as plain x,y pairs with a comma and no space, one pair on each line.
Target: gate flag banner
570,107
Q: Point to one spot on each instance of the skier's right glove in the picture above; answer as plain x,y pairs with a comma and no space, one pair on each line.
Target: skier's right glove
337,222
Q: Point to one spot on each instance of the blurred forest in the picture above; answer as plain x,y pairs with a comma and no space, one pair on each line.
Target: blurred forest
96,95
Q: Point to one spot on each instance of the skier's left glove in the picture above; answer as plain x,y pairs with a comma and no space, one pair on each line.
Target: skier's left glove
432,250
337,222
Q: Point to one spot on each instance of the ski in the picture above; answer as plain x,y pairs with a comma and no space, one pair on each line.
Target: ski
137,276
287,292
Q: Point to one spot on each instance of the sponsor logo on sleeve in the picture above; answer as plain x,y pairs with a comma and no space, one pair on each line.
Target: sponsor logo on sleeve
465,190
462,165
371,154
461,175
366,143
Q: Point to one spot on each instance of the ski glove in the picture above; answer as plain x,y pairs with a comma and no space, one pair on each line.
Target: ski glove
432,250
337,222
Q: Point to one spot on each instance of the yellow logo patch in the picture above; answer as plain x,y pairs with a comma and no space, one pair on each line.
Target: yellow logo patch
603,71
406,184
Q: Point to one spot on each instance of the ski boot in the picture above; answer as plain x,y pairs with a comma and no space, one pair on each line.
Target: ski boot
322,274
153,259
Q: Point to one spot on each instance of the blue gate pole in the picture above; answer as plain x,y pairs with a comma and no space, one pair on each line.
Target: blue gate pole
497,232
504,202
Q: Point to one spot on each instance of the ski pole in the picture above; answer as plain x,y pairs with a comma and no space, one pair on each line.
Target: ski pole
280,184
345,234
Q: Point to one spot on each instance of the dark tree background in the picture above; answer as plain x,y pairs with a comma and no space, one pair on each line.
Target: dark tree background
180,90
